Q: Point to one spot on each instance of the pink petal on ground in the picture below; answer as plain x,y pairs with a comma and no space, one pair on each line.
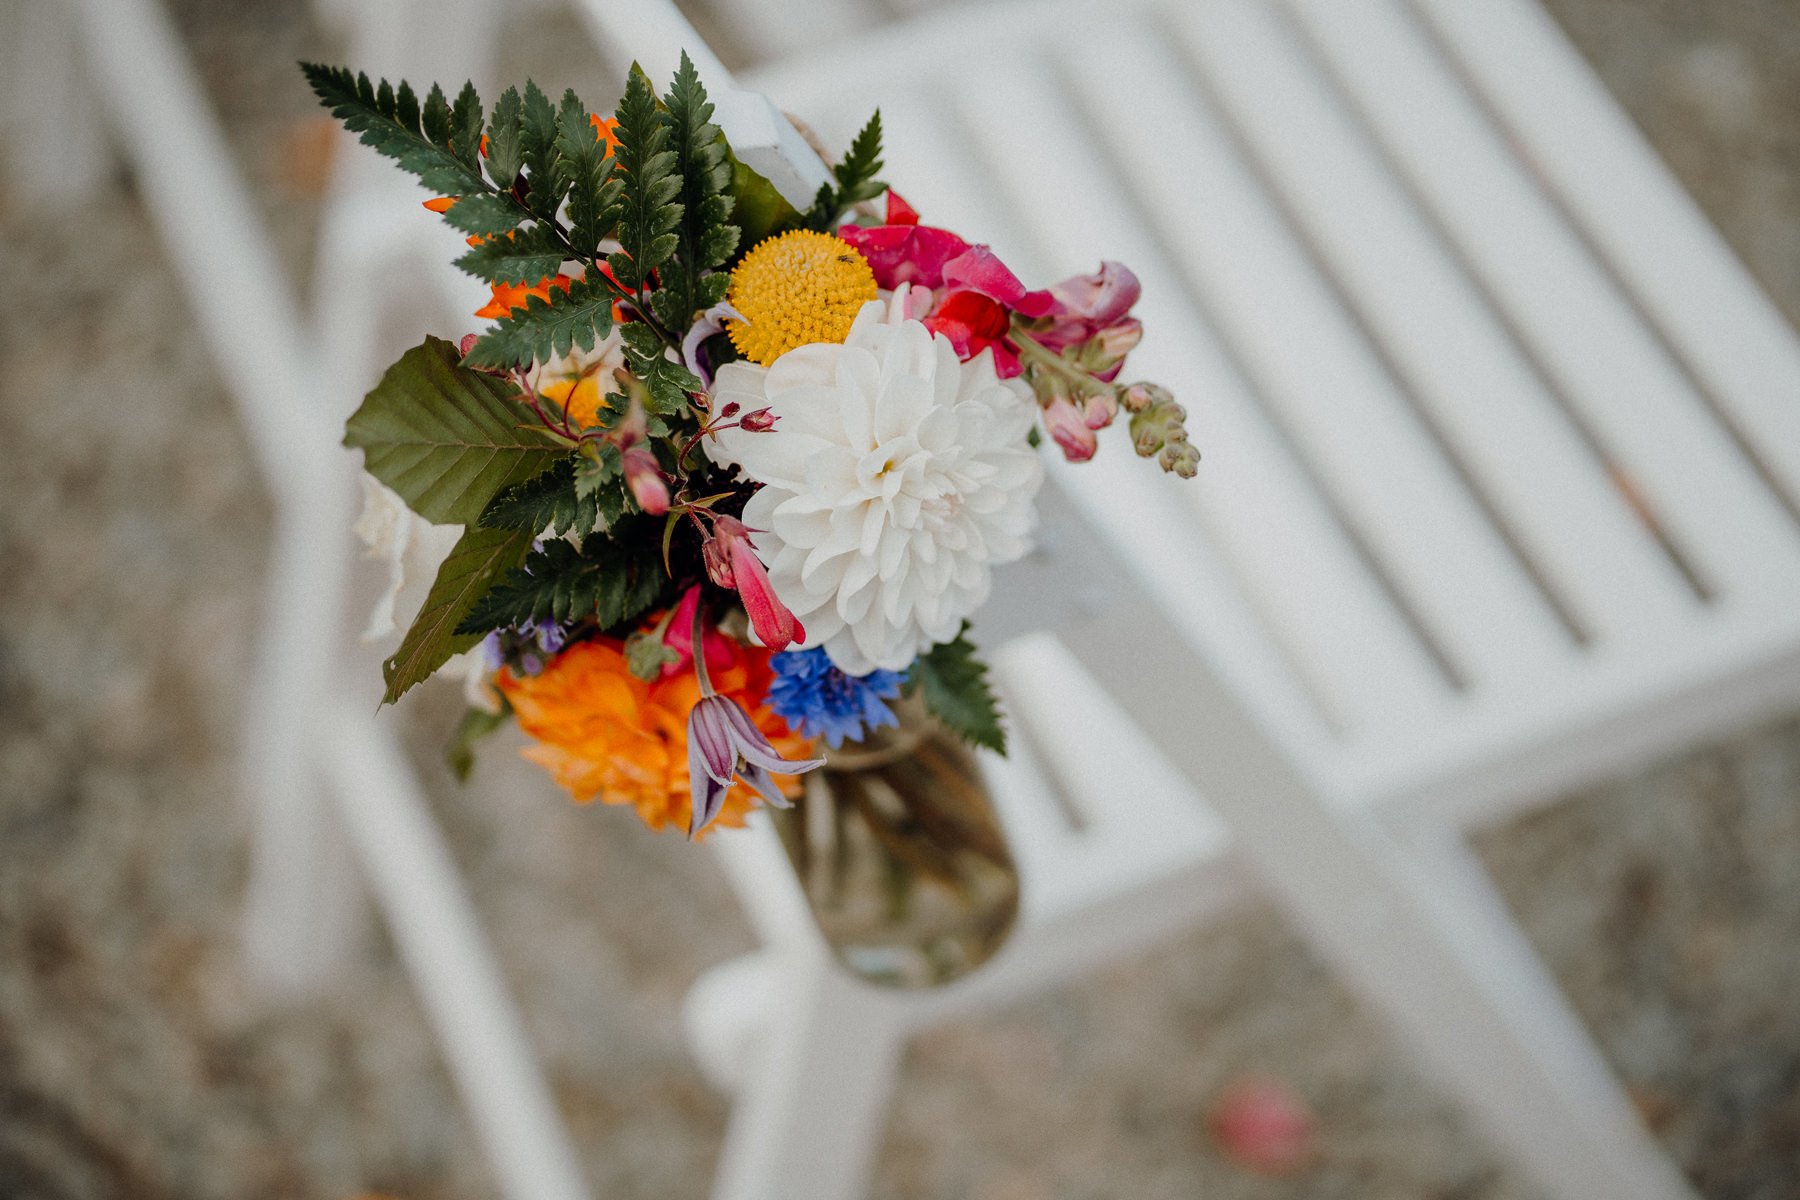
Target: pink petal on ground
1262,1124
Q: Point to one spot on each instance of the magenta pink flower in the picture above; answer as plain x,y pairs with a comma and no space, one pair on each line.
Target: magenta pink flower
723,741
732,563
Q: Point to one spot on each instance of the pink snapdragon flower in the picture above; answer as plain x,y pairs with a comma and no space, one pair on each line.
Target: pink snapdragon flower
732,563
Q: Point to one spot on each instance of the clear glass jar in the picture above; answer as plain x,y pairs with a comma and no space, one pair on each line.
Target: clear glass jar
902,856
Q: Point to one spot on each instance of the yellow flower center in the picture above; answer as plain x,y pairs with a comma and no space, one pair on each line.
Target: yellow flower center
579,396
796,289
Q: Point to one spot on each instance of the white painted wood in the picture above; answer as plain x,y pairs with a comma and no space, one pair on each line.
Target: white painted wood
1671,258
1282,547
806,1120
439,937
1672,449
1453,348
1339,397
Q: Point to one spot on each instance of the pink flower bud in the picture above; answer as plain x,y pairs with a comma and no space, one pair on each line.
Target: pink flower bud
1098,410
1070,429
760,421
645,479
729,410
466,347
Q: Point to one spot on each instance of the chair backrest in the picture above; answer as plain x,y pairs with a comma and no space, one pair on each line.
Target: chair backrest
1499,438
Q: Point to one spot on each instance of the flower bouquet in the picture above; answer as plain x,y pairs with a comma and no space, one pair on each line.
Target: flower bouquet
732,476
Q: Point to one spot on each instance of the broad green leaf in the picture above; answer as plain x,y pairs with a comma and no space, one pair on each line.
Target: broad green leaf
761,211
479,558
446,438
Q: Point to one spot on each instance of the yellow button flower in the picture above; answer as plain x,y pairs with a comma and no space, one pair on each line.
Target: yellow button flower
794,290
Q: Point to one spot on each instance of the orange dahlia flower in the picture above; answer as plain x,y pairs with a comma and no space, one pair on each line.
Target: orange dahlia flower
604,734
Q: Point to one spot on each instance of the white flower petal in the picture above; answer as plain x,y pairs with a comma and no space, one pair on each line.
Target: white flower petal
894,480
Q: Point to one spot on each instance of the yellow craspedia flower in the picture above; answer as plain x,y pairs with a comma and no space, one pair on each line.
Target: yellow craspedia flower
796,289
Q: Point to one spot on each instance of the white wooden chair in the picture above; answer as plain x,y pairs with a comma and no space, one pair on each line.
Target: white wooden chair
1497,499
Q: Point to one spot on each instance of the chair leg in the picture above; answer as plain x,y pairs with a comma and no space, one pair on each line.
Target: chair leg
808,1120
439,938
1413,936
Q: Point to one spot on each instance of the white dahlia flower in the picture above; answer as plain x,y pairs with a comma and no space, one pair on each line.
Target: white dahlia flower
894,480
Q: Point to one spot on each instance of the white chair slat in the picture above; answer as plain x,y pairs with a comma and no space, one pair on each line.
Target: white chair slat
1143,818
1630,207
1469,375
1670,448
1342,634
1321,375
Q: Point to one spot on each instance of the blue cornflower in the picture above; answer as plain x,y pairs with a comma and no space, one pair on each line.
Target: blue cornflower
818,700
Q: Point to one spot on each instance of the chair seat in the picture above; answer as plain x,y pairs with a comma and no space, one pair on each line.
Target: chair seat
1486,470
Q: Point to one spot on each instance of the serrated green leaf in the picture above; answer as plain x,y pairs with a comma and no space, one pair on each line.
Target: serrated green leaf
586,174
544,329
548,502
465,127
538,143
601,482
506,139
479,558
648,211
955,687
444,437
668,383
612,579
528,256
856,173
391,122
704,238
485,214
853,179
476,724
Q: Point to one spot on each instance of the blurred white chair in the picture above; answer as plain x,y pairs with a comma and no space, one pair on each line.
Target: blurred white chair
1502,454
1497,500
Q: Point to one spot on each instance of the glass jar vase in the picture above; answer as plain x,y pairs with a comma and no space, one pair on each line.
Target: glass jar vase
901,855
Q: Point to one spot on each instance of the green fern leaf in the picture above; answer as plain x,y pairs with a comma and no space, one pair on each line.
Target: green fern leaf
392,122
545,329
650,211
525,256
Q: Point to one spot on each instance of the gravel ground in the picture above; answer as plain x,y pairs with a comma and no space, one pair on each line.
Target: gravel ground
135,1061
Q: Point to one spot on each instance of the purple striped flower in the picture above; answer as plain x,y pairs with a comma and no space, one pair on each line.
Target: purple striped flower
722,742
